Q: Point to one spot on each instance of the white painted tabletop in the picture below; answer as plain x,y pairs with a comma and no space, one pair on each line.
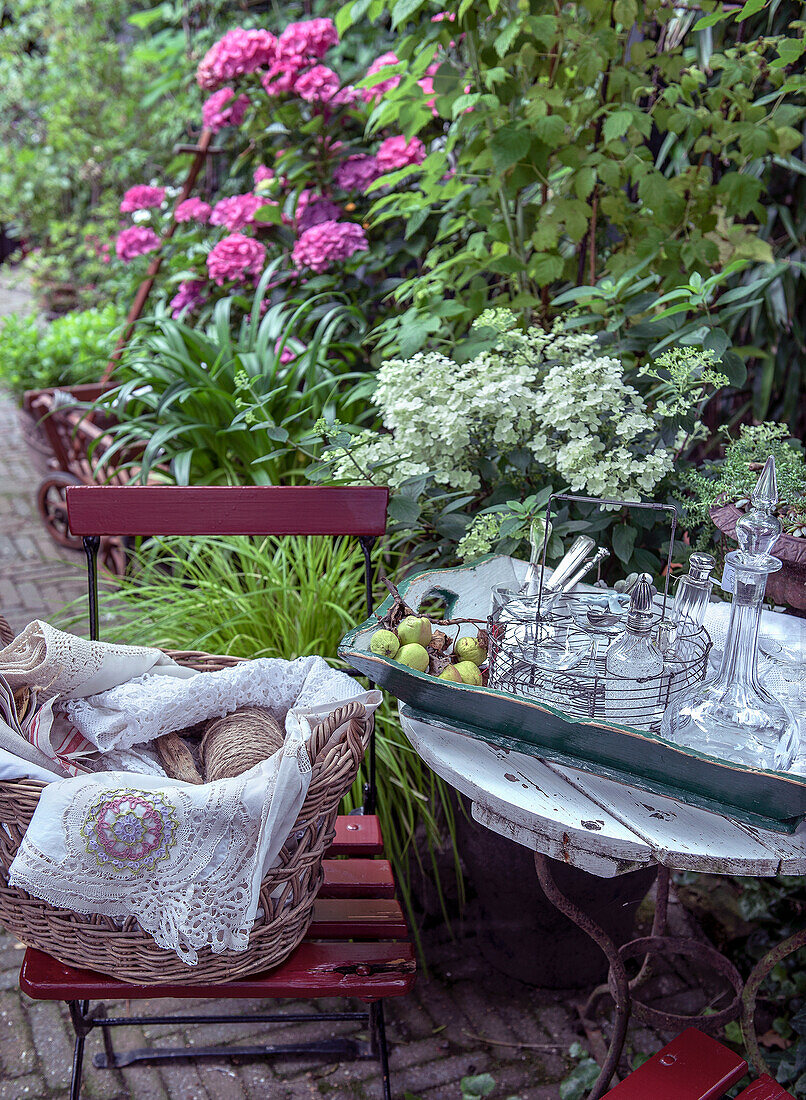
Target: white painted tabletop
593,823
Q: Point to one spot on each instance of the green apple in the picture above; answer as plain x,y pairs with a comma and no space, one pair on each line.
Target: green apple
414,656
451,673
468,649
384,643
414,630
469,671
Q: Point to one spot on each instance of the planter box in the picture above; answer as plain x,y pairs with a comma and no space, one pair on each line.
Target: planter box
773,800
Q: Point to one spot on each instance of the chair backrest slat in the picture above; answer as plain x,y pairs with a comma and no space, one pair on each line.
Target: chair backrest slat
226,510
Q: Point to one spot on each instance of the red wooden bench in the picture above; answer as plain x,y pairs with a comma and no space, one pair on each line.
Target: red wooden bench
694,1067
358,944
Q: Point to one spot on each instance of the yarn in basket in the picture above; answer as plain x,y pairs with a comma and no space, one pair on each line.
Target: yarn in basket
235,743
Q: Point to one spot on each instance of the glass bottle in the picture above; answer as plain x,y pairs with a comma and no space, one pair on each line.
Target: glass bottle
633,664
690,603
733,716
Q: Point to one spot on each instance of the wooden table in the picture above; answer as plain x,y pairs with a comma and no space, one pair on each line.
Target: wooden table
606,828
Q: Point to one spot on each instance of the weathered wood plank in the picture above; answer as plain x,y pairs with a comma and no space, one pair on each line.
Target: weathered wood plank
683,836
524,791
566,849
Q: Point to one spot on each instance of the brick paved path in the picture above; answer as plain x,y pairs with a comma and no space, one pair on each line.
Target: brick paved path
462,1018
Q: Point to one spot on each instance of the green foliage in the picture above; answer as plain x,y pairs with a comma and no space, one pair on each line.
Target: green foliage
72,122
567,146
472,1088
72,349
733,477
283,598
221,405
579,1081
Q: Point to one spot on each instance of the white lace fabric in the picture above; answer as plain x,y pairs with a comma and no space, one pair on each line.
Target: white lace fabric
66,665
149,706
186,861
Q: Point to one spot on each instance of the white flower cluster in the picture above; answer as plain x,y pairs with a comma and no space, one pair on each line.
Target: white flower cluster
594,431
548,393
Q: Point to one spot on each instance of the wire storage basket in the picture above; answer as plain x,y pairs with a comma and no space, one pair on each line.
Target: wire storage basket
553,659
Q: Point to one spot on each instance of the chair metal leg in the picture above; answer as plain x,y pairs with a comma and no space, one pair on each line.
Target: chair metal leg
78,1014
379,1047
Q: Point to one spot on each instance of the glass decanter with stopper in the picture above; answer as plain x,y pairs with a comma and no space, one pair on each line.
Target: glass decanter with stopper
633,663
733,716
690,604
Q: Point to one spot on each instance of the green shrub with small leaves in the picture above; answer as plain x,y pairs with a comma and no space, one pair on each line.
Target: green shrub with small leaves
72,349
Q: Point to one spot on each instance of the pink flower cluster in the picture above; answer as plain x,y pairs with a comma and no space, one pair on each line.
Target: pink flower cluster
374,93
142,197
190,296
135,241
193,210
235,258
238,52
356,173
311,38
262,173
396,152
237,211
313,209
216,114
320,245
319,84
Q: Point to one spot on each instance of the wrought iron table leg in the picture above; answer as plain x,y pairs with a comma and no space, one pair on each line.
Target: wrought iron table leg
618,971
751,988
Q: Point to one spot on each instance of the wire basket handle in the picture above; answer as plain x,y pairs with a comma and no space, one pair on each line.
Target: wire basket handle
621,504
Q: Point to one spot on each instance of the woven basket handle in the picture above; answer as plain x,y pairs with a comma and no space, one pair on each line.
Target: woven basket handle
6,633
318,743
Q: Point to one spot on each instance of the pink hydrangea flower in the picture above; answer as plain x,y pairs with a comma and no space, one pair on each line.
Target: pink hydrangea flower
427,85
235,258
318,84
282,76
396,152
238,52
377,90
216,114
135,241
321,245
311,38
237,211
348,96
442,15
142,197
356,173
190,296
262,173
287,353
313,209
193,210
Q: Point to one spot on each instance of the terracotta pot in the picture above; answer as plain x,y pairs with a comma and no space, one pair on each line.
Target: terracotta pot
788,586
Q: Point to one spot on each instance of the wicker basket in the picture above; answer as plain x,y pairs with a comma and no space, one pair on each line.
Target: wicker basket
287,895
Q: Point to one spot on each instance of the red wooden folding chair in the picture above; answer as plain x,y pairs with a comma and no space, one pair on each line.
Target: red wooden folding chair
358,944
694,1067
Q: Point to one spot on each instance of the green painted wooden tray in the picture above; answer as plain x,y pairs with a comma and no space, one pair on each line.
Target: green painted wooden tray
773,800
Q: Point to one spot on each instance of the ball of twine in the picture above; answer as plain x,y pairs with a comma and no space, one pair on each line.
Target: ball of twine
235,743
